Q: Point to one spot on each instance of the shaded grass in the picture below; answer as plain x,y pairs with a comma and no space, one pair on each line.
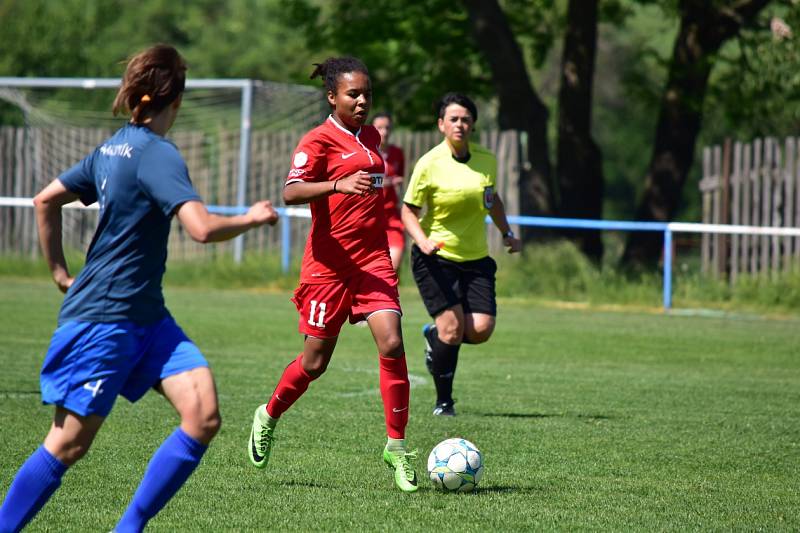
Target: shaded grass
588,420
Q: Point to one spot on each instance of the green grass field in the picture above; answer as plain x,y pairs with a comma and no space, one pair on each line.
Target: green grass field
588,420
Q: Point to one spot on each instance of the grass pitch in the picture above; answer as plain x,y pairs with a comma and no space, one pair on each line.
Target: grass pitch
588,420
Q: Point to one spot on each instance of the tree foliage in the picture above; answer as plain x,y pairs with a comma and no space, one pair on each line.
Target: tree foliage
757,89
92,38
418,49
415,51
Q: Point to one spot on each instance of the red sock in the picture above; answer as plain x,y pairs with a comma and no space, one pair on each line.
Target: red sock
395,392
292,385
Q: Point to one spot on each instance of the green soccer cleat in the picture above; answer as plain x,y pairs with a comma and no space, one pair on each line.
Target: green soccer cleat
260,444
404,475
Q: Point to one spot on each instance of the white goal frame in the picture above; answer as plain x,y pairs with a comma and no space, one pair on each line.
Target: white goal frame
244,85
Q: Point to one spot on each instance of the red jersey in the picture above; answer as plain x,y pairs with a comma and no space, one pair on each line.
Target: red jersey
395,166
348,231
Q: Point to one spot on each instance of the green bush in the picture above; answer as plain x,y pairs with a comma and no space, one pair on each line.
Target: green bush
560,271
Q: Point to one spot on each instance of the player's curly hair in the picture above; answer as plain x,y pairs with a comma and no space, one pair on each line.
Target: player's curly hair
333,67
153,79
457,98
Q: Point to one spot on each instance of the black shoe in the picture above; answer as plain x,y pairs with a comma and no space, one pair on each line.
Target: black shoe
428,351
445,409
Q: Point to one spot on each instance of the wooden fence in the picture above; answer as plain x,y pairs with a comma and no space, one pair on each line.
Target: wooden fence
752,184
31,157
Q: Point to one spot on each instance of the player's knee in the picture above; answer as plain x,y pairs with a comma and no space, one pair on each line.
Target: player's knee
202,425
451,333
200,418
315,368
211,424
70,453
478,336
480,333
391,345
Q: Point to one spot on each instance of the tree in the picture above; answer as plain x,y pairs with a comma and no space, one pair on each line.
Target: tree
579,161
520,106
427,48
704,27
93,38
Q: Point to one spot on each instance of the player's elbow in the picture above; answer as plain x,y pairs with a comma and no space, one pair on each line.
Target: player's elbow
197,222
202,237
201,234
290,197
44,206
41,202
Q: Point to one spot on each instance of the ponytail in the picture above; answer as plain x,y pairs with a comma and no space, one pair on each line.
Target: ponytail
333,67
153,79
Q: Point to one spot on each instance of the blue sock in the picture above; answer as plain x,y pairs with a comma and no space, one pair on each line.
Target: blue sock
170,467
37,480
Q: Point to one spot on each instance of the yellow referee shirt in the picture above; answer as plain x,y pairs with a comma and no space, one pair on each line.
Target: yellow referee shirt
457,196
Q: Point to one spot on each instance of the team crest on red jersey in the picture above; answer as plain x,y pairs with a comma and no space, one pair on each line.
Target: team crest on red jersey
300,159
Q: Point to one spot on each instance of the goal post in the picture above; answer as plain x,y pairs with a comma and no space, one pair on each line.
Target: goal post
221,162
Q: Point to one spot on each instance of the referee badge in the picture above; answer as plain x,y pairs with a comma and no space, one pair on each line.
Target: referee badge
488,197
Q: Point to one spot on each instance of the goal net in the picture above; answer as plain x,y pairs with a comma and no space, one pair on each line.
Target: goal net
63,124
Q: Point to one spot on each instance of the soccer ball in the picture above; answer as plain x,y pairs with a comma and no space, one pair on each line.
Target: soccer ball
455,465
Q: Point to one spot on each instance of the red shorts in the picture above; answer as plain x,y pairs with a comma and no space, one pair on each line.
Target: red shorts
324,307
395,233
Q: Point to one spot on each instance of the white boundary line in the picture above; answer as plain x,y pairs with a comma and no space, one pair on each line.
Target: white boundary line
733,229
10,201
679,227
413,380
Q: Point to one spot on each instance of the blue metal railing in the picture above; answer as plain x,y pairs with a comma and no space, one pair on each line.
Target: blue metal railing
615,225
287,213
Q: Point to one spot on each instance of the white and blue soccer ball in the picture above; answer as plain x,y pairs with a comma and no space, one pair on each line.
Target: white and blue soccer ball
455,465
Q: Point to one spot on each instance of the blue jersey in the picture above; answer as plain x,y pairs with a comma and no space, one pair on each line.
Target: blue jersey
139,179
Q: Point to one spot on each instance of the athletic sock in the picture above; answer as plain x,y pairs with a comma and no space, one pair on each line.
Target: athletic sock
268,420
395,445
293,383
395,394
36,480
445,360
170,467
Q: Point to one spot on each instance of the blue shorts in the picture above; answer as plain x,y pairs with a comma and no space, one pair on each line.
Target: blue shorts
89,364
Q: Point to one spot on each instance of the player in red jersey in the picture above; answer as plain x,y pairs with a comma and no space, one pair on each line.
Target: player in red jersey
395,164
346,271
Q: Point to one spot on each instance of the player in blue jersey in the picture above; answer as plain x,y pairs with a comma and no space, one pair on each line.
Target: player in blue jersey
114,334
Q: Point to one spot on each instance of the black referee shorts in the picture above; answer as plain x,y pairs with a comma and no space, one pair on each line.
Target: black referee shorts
443,283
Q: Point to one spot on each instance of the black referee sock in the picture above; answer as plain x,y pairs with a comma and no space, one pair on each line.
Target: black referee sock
445,360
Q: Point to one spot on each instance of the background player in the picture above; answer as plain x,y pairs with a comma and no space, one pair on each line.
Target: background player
114,335
450,258
395,166
346,270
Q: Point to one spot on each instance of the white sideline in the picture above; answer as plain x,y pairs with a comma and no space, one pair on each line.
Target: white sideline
413,380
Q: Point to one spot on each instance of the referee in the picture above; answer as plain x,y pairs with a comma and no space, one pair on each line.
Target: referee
455,182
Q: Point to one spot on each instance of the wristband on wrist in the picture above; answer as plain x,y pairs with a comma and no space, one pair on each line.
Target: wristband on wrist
508,234
334,185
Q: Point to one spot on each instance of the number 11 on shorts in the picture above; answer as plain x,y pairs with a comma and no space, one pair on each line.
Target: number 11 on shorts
320,323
